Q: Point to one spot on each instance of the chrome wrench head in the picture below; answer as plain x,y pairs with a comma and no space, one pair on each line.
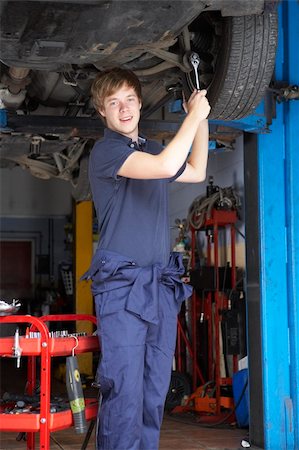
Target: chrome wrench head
195,60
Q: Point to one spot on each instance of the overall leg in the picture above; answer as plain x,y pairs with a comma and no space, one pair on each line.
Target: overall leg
120,374
160,346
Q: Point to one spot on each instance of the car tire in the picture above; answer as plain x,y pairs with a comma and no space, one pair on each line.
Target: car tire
81,188
243,67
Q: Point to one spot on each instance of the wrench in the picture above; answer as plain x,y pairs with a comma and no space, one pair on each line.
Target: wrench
194,60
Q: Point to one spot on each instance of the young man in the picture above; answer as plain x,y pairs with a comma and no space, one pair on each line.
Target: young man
136,281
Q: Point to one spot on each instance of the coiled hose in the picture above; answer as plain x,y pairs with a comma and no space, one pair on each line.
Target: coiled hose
201,207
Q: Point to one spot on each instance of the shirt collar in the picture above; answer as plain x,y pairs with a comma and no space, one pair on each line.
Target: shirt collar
140,145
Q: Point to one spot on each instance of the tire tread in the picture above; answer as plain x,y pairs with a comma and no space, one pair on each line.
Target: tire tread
249,65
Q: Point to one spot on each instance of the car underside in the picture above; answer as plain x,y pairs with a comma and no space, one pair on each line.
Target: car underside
52,50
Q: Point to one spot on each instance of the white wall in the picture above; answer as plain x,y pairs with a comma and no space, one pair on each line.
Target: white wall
23,195
227,170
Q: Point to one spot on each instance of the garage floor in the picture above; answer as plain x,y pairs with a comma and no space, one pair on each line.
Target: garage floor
175,436
178,432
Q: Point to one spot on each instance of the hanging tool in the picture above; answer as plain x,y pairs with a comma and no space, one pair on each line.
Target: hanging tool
75,391
195,60
17,351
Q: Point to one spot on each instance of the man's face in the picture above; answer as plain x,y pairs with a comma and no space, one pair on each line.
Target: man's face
122,111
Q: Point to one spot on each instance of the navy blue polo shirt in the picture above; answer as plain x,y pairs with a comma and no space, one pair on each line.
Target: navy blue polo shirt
132,214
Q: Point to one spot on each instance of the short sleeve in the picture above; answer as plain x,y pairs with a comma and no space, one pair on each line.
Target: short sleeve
155,148
178,174
106,158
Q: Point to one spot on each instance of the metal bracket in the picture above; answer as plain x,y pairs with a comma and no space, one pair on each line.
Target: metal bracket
285,92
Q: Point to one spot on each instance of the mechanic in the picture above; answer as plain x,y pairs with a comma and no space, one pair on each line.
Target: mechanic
136,282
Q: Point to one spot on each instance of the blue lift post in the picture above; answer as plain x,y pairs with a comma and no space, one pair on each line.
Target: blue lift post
278,199
278,159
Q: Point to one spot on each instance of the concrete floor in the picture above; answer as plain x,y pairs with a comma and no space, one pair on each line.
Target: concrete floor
178,432
175,435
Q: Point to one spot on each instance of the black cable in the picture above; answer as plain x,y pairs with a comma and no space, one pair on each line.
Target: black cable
56,442
240,232
222,421
234,408
88,434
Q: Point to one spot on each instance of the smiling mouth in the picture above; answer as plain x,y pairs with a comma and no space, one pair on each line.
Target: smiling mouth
126,119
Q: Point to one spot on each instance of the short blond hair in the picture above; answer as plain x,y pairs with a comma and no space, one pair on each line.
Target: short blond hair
109,81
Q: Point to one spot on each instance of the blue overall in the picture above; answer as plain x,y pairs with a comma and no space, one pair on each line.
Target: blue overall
140,305
138,292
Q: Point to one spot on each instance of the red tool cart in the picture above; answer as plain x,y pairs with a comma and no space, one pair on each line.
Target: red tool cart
44,347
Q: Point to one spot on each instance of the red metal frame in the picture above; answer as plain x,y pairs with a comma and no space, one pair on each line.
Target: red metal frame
218,220
213,303
45,347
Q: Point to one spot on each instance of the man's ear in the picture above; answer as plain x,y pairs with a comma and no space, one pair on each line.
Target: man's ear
140,104
101,112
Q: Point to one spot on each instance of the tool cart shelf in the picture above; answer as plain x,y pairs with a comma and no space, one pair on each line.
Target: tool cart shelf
44,347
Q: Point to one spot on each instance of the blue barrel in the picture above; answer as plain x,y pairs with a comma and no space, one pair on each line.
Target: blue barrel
241,397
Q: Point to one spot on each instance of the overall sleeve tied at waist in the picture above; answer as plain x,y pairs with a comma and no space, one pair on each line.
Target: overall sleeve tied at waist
110,271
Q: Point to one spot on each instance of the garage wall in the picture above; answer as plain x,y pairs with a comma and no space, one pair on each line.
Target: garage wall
37,211
227,170
23,195
48,243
